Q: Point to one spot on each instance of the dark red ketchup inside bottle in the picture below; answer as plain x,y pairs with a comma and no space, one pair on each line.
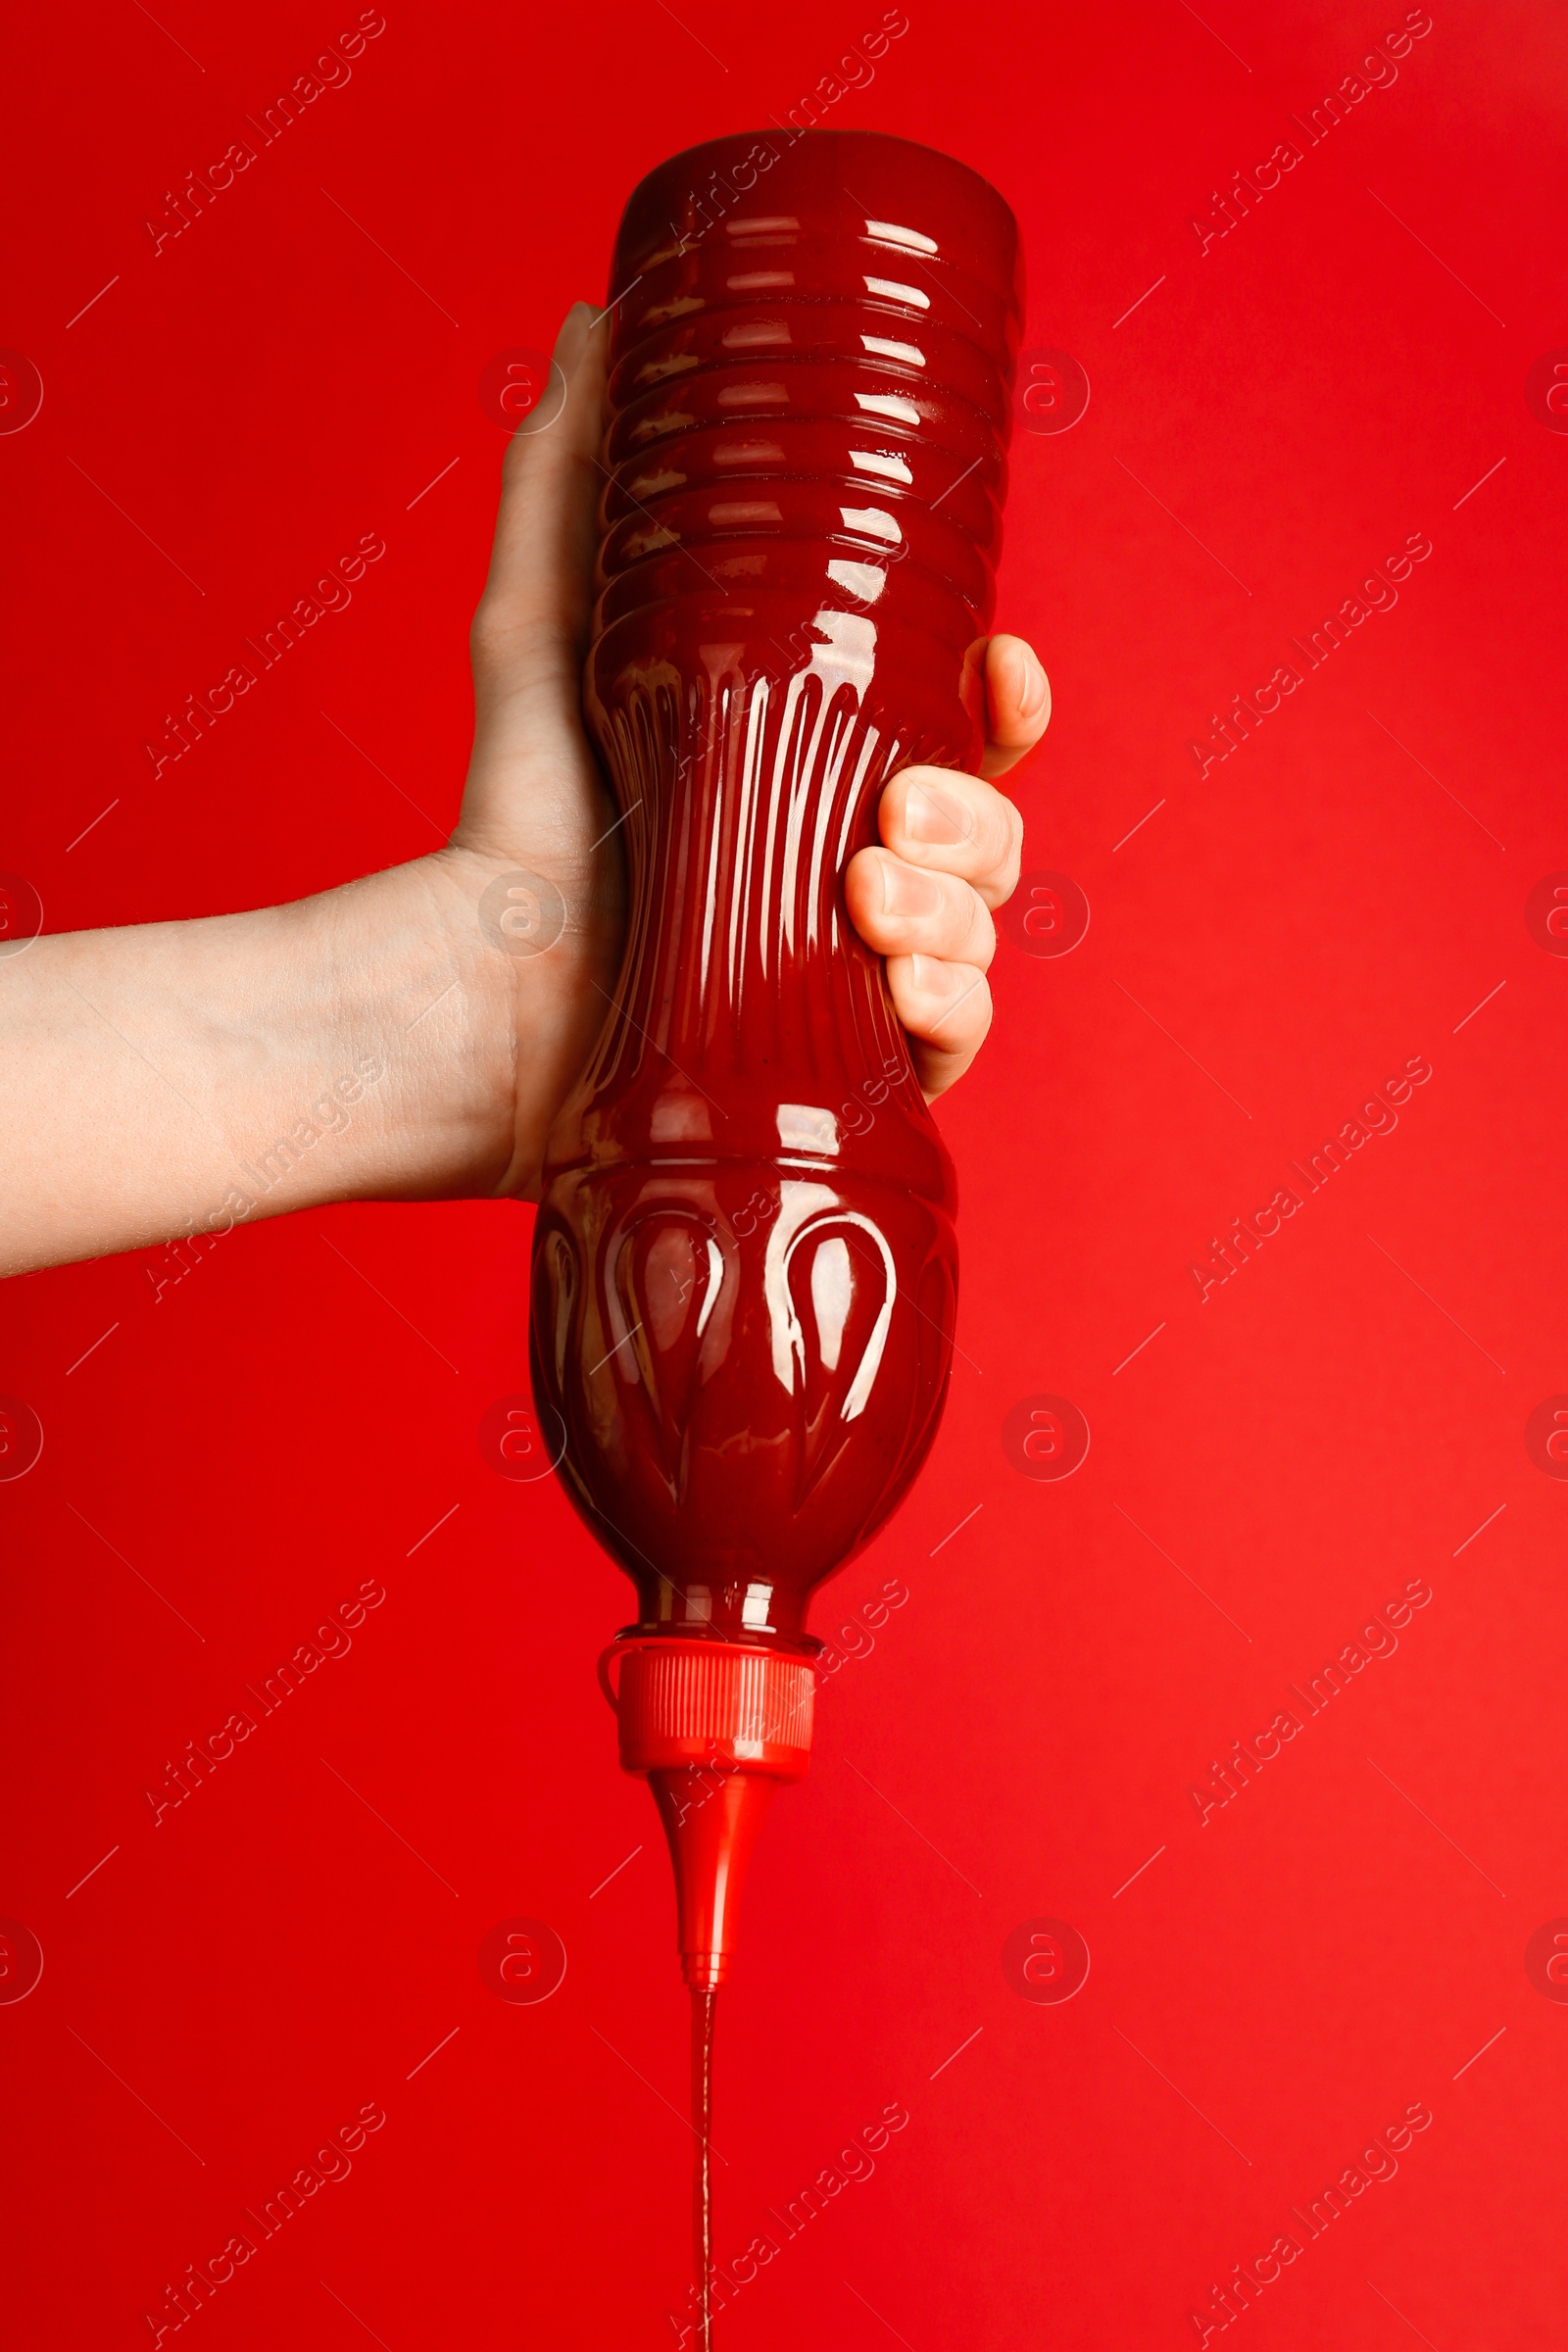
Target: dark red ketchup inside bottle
745,1271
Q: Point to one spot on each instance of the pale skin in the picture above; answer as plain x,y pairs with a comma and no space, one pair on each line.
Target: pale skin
140,1068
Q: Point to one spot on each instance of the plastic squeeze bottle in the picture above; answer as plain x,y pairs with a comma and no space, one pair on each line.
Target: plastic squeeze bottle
745,1271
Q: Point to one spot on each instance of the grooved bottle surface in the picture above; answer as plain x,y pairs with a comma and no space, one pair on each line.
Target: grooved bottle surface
745,1270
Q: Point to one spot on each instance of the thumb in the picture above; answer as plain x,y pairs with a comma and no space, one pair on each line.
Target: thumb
533,616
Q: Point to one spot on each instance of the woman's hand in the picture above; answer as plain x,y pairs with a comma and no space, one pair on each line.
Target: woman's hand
400,1038
535,800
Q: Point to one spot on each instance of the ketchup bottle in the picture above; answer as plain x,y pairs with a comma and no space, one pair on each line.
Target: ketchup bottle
745,1272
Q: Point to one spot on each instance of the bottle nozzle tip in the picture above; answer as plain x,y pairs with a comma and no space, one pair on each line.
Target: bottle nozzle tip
704,1972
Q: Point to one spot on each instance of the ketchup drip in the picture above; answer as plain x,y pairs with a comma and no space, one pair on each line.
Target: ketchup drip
703,2005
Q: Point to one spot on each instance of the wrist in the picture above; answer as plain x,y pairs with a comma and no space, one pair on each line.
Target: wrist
481,987
417,990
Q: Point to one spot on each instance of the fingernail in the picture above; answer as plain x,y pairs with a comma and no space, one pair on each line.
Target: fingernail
1032,688
932,977
907,891
930,816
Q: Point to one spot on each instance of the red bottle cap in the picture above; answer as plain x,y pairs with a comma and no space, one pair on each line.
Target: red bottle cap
716,1728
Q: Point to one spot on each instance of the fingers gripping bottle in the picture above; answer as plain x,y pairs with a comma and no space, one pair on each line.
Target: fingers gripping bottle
745,1271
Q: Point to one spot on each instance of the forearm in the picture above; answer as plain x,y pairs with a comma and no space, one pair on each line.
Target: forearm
413,1036
184,1077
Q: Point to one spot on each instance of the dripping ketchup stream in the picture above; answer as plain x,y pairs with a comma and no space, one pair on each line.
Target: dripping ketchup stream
703,2006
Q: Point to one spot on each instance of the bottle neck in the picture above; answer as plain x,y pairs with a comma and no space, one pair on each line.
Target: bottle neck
750,1609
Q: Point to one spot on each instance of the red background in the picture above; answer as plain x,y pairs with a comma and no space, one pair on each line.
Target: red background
1281,1982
